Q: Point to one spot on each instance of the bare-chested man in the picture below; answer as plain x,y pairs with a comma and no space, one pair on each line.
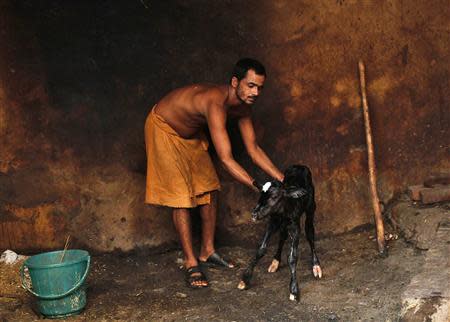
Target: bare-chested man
180,173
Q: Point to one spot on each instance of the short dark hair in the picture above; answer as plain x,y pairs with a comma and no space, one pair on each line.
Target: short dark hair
243,65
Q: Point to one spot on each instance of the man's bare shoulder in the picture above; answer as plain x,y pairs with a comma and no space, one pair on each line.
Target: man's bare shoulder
195,96
211,92
209,96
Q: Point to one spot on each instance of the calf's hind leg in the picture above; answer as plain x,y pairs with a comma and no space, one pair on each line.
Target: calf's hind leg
248,273
309,232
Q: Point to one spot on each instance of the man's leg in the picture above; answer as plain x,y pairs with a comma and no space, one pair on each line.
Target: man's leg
208,214
182,221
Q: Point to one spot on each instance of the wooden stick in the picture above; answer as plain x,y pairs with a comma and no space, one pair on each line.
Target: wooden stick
371,159
65,248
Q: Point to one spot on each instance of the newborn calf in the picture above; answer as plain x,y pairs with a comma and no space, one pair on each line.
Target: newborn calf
284,203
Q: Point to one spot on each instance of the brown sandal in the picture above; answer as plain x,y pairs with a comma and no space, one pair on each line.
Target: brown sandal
217,261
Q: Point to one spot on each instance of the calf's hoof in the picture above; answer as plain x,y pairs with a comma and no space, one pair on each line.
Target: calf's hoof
293,297
273,266
317,271
242,285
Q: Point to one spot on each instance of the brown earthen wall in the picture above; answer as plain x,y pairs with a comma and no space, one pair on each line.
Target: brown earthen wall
77,80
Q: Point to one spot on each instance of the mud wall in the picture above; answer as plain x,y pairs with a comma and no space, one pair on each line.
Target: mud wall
77,80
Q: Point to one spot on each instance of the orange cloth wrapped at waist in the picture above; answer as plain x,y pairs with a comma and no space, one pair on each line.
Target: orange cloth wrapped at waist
180,173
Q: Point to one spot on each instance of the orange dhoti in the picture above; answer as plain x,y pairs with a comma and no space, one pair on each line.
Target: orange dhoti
180,173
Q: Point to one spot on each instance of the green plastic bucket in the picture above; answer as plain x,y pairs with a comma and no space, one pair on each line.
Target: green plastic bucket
58,286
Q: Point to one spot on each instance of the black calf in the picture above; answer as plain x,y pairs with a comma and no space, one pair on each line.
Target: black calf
284,203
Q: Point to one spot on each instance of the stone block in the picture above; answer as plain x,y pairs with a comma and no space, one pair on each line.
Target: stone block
414,192
437,194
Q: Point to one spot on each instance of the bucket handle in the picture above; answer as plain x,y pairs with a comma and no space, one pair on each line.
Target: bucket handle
54,297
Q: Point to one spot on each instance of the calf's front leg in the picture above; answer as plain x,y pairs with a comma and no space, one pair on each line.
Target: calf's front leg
292,262
248,273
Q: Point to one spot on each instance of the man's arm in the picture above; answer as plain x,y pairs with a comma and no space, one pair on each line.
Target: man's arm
258,156
216,117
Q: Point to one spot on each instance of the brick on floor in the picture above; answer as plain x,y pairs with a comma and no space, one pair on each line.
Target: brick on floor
436,194
414,191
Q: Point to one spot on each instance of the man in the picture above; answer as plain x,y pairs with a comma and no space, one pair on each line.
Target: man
180,173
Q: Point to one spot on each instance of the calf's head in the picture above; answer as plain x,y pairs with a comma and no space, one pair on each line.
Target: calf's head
273,199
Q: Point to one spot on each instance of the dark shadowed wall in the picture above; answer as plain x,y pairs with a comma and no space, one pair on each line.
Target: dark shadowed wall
78,78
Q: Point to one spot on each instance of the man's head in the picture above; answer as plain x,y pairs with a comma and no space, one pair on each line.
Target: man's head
248,79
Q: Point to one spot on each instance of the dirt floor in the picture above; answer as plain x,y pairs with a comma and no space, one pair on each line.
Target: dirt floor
357,286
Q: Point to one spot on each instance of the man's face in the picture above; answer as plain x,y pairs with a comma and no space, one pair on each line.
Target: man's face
249,88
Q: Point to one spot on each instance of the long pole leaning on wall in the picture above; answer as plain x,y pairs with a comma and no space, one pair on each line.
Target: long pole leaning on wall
371,161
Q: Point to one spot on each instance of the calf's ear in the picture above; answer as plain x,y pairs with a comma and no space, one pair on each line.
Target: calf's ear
295,192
